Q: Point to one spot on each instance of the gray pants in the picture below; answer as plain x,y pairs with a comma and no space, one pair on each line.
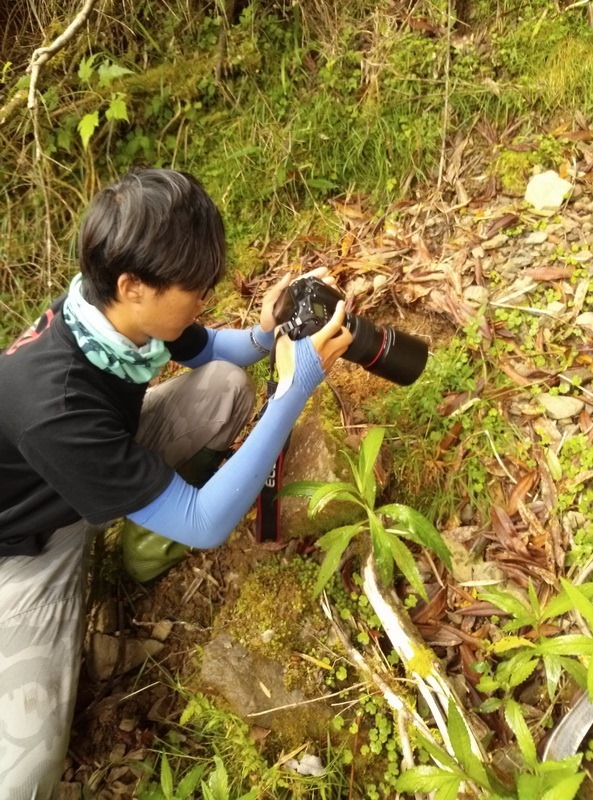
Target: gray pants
42,598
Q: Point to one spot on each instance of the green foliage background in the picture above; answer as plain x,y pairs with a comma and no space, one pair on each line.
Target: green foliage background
276,106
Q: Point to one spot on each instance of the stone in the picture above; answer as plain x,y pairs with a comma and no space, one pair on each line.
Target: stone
547,191
162,629
313,455
104,654
536,237
497,241
560,406
252,683
585,319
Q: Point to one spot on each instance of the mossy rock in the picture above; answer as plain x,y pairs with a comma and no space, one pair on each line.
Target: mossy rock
315,455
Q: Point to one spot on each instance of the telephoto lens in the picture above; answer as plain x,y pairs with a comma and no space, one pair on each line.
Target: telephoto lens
309,303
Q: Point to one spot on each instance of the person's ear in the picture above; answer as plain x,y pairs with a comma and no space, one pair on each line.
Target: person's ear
130,289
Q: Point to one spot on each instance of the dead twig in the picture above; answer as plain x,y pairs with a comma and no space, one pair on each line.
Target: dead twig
42,54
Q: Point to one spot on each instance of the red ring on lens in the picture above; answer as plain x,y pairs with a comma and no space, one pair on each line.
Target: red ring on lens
379,352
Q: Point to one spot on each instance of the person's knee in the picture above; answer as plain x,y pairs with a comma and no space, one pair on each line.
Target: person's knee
229,379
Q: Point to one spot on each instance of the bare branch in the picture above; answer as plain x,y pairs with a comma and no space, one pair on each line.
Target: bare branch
43,54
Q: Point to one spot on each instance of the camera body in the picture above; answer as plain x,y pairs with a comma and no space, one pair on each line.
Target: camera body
308,304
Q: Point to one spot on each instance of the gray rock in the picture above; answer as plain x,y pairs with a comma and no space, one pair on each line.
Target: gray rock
313,455
560,406
103,656
497,241
252,683
536,237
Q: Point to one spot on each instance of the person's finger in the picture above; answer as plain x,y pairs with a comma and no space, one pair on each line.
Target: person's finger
318,272
275,291
334,349
331,328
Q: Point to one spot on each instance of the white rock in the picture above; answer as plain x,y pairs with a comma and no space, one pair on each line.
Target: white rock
308,765
379,281
559,406
536,237
547,191
585,319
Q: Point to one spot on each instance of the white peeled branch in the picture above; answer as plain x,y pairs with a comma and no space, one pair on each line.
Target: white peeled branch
407,643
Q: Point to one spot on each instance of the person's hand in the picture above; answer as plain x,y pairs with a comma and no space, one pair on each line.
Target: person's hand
267,320
331,342
333,339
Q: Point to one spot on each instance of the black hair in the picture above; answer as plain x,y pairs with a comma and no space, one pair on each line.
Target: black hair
158,225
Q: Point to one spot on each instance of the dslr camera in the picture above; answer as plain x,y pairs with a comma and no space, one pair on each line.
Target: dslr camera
309,303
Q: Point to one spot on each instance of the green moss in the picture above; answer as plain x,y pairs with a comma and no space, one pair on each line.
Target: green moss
274,602
422,662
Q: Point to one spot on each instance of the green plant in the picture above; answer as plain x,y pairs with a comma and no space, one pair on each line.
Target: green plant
522,655
547,780
387,525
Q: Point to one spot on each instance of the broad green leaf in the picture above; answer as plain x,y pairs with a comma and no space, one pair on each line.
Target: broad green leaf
424,779
355,472
332,491
516,722
488,684
490,705
320,183
522,671
506,669
553,667
583,606
187,785
117,108
166,778
461,744
424,531
505,601
369,450
438,753
566,789
565,768
340,541
85,68
576,670
301,489
566,645
218,781
337,534
562,603
590,679
449,791
510,643
406,564
108,72
86,127
382,551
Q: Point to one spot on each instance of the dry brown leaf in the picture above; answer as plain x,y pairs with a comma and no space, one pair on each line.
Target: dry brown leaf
549,273
536,528
433,610
520,491
513,375
506,532
506,221
347,243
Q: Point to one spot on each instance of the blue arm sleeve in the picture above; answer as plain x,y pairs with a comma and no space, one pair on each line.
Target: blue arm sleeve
234,346
205,517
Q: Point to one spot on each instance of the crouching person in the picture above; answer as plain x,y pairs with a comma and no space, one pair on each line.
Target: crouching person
84,440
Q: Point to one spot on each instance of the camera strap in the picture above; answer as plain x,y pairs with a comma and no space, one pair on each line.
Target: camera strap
268,502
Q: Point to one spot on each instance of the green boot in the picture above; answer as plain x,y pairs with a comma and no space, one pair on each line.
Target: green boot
147,554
